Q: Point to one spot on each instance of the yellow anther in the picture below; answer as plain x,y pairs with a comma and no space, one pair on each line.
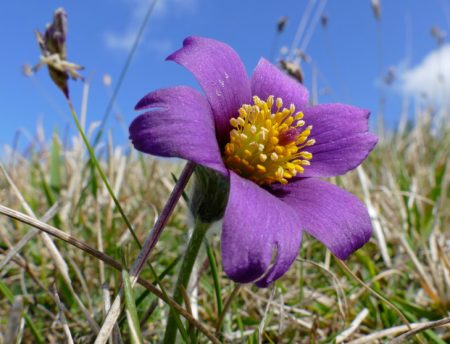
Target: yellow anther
290,165
279,103
301,139
289,121
305,155
310,142
262,157
279,149
279,172
287,175
261,168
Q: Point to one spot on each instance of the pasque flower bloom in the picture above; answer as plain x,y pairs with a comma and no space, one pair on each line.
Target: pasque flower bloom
262,135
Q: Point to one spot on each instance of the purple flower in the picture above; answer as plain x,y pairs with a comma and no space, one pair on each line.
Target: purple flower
262,135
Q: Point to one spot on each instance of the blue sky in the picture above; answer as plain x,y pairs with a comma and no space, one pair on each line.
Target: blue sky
348,55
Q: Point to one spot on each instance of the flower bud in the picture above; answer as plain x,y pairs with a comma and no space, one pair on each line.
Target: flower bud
210,195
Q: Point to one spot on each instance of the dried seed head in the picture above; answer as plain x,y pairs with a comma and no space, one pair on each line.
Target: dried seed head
293,69
54,54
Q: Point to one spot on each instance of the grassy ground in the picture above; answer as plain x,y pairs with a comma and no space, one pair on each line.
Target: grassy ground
54,292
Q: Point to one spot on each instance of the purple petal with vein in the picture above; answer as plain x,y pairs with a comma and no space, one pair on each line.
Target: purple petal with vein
179,124
342,139
257,228
332,215
269,80
221,74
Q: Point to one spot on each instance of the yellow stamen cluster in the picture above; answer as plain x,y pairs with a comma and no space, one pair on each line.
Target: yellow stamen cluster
267,147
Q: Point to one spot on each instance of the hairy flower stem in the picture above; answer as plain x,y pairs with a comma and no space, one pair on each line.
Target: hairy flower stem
190,256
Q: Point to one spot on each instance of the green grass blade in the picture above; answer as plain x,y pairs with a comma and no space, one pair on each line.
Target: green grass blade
215,276
10,297
6,292
55,164
130,308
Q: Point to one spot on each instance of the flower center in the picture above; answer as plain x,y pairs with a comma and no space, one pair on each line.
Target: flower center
268,147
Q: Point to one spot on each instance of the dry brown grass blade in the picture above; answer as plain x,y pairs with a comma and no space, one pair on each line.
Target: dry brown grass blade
353,326
415,328
186,300
14,321
115,337
421,328
27,237
105,258
263,321
62,317
378,230
425,281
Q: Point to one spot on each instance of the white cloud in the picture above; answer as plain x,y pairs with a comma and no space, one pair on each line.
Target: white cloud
138,8
429,81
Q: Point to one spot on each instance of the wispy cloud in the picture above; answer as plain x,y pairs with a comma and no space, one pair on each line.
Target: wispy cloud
429,80
137,9
178,6
123,41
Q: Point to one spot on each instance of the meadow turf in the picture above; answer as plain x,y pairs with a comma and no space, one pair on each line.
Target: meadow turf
398,282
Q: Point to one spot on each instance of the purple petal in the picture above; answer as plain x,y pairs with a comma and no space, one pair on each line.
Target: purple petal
332,215
269,80
179,124
221,74
257,228
342,139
